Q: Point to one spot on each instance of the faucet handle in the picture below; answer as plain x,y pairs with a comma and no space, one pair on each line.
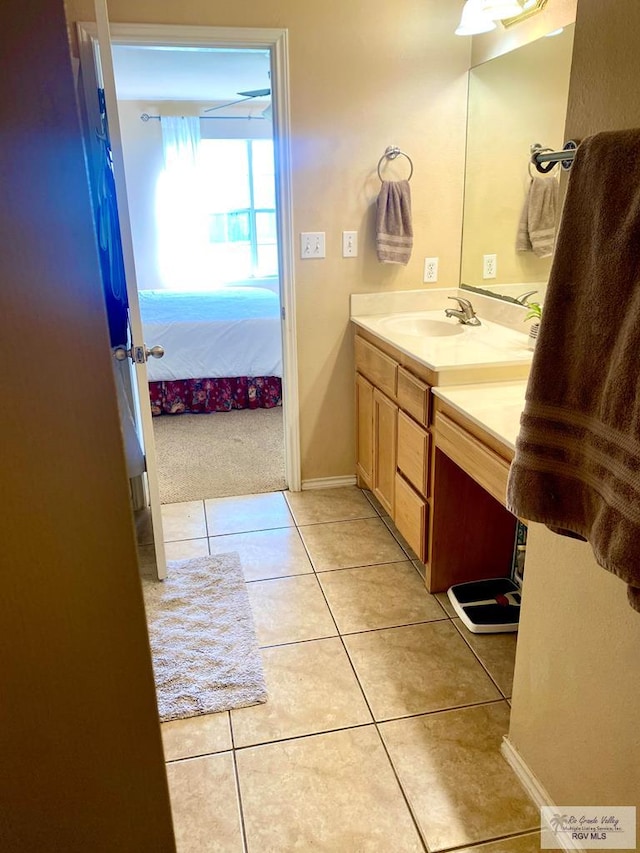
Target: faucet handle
466,314
464,304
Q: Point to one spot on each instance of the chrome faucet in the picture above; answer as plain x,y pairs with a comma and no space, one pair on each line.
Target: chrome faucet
465,314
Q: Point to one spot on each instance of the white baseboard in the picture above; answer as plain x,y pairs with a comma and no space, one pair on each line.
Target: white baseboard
328,483
531,784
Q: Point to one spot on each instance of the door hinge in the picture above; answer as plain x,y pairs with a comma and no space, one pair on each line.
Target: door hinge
282,313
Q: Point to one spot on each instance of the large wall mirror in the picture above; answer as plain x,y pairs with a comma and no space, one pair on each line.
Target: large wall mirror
515,100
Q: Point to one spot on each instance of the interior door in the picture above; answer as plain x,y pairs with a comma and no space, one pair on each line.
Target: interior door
97,72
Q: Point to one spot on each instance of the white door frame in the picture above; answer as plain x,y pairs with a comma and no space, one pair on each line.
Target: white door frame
276,42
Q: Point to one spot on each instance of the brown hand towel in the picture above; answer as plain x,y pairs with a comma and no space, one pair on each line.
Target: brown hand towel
538,221
394,231
577,462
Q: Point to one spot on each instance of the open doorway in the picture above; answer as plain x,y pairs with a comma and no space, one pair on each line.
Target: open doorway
197,135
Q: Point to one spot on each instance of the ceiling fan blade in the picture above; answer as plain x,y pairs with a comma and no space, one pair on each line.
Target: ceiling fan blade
255,93
228,104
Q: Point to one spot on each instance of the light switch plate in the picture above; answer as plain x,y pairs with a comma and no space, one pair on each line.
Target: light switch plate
349,244
312,244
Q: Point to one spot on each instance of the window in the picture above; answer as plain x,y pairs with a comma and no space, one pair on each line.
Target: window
239,199
222,228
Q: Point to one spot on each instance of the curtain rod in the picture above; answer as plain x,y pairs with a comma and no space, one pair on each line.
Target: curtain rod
147,117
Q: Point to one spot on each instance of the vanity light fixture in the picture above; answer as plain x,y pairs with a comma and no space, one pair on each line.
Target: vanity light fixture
474,21
529,7
499,9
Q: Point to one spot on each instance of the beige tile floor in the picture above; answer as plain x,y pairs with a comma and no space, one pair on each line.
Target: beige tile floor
384,720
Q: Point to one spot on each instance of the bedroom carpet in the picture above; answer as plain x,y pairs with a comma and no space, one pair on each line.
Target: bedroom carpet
240,452
203,641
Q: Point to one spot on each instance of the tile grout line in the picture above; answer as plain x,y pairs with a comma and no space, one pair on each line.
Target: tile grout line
480,661
368,706
372,722
465,846
243,829
375,724
401,788
236,771
350,633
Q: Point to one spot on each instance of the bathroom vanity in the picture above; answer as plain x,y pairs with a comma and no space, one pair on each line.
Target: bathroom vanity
437,410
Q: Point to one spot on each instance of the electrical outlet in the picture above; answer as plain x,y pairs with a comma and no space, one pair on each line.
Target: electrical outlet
430,270
349,244
489,266
312,244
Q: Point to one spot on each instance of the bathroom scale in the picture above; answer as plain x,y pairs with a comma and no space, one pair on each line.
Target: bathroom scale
487,606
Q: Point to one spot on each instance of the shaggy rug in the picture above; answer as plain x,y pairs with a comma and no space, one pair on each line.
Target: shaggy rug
203,641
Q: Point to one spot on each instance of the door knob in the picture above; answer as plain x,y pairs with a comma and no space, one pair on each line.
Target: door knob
138,355
121,353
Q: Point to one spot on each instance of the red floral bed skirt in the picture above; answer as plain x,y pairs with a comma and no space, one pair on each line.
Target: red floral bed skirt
215,395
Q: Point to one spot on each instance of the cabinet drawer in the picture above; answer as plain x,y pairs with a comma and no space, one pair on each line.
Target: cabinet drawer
411,517
413,453
413,396
482,464
376,366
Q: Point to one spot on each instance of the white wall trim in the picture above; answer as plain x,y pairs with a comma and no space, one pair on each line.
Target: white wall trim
170,35
276,42
328,483
531,784
286,261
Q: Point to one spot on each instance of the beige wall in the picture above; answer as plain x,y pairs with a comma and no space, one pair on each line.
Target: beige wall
516,99
577,685
80,748
576,694
363,76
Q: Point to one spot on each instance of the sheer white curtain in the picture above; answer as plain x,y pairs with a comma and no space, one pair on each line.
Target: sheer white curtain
181,215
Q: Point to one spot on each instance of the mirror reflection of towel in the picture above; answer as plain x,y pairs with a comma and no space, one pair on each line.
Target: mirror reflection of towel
394,230
539,217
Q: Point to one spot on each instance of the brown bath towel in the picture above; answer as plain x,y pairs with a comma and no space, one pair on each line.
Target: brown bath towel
394,230
577,462
539,218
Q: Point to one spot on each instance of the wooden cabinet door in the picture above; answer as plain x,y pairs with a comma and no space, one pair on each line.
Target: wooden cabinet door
385,427
364,432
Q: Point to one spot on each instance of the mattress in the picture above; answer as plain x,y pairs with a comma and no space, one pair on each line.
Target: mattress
230,332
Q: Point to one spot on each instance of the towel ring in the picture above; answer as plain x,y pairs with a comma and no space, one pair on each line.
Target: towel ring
391,152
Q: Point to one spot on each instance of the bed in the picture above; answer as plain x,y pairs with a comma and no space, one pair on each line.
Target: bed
223,349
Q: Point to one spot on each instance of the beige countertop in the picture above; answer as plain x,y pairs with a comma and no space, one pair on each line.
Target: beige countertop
463,346
493,406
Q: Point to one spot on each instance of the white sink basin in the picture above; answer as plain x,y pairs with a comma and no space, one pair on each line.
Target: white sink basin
410,324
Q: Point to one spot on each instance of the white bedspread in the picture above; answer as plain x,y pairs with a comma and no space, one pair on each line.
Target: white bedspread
222,333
